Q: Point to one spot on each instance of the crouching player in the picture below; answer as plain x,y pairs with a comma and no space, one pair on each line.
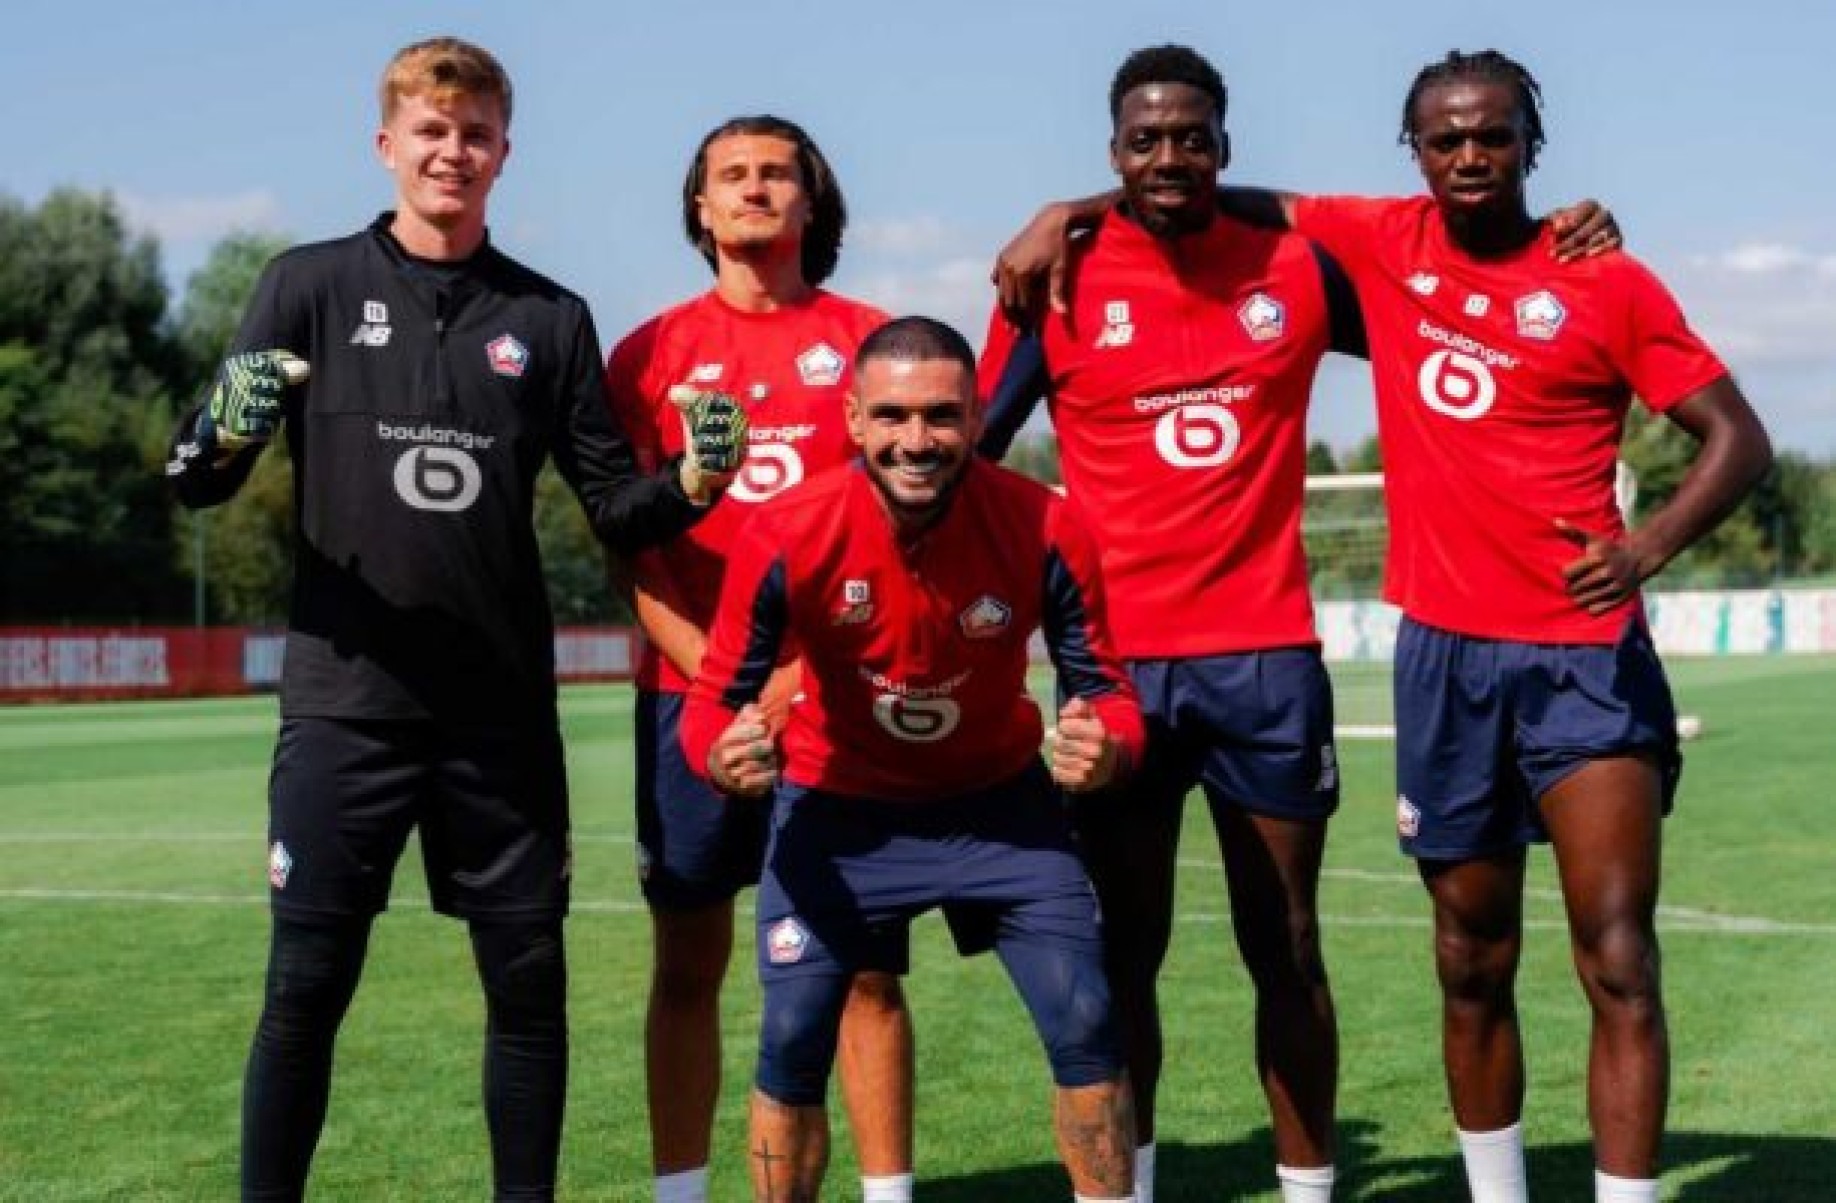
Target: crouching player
910,582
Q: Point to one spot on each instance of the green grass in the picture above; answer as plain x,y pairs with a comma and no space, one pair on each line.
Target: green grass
132,937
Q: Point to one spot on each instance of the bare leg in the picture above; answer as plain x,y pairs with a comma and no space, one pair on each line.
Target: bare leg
876,1073
789,1150
1478,934
1095,1126
682,1032
1606,823
1273,866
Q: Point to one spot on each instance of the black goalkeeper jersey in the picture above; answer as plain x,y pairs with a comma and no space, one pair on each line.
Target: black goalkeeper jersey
437,393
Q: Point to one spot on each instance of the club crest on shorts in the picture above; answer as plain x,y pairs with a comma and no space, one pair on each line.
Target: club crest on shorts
785,941
985,618
1408,818
280,865
507,356
1540,316
1263,317
820,364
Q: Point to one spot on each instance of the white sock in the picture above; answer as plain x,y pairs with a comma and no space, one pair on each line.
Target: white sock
1495,1165
1144,1172
1608,1189
1101,1199
1305,1183
688,1186
886,1188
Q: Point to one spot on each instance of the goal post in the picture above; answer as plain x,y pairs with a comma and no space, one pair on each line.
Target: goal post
1345,529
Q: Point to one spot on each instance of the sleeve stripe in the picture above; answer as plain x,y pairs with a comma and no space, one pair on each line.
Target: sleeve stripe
764,635
1066,622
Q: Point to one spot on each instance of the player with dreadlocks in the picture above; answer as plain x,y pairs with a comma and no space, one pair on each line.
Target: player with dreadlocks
1530,704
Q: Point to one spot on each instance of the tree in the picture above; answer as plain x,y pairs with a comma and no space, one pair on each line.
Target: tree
86,368
248,544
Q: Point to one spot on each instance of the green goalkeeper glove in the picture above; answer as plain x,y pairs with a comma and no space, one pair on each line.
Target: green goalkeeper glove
245,401
714,439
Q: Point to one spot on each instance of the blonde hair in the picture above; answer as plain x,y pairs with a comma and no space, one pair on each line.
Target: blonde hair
440,69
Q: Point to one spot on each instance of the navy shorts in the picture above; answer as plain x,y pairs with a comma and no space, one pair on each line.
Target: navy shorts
1485,728
696,846
845,876
1254,728
490,803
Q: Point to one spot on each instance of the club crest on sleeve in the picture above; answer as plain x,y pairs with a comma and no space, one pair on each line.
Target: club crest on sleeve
1408,818
786,941
507,356
1540,316
856,603
985,618
820,365
1263,317
280,865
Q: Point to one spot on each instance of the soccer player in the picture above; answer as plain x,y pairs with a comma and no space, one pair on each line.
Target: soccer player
762,205
1530,704
419,680
911,582
1178,385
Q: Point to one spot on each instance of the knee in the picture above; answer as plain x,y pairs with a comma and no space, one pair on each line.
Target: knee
524,971
1620,967
1080,1033
798,1032
312,974
1284,951
1474,967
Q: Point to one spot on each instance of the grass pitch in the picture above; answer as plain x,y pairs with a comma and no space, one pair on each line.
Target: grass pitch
133,931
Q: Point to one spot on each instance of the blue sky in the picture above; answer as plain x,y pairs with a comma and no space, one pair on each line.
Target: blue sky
1707,127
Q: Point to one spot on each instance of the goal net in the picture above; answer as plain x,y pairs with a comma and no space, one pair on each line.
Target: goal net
1345,532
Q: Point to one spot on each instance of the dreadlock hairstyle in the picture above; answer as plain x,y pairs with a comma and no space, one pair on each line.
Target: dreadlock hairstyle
1485,66
828,213
1166,65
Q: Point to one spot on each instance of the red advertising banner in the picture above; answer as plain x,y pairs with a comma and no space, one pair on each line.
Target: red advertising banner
78,663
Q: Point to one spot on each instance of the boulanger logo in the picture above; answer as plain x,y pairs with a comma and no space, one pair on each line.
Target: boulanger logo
1456,385
917,720
1197,436
919,714
770,468
438,473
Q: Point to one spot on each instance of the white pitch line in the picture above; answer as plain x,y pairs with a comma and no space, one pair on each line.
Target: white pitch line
1676,919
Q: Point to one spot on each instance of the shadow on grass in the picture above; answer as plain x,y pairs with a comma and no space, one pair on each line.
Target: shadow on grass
1722,1168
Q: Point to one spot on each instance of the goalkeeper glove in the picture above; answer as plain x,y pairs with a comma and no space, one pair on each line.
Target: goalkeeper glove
245,402
714,439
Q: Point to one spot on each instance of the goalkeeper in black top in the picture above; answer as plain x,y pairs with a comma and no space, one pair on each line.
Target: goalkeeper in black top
423,379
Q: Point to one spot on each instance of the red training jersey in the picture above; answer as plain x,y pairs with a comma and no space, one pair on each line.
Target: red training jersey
789,368
914,655
1502,385
1178,387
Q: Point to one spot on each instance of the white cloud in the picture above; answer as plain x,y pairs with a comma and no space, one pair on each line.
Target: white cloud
1769,309
186,219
